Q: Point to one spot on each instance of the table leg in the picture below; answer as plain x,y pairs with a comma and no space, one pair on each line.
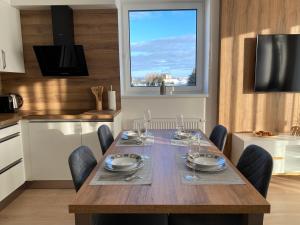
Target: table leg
83,219
253,219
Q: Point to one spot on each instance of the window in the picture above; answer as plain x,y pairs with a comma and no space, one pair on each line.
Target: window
163,41
163,47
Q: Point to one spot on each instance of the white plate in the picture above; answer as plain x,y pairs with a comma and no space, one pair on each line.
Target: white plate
126,169
210,169
182,135
123,160
206,159
128,135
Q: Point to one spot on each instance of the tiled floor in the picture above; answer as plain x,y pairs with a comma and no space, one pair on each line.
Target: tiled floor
50,207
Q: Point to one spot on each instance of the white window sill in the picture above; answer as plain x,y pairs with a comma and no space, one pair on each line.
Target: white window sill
166,96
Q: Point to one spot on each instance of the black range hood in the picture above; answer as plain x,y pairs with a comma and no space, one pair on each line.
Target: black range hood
64,58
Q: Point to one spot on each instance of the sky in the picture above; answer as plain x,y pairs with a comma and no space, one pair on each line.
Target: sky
163,41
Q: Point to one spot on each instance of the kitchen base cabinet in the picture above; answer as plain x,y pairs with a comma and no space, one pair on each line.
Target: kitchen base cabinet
12,173
50,145
89,136
10,150
11,179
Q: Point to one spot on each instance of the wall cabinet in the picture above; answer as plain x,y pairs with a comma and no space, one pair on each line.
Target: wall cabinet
51,143
12,172
11,46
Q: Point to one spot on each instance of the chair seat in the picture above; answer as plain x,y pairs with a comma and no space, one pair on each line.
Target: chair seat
130,219
205,219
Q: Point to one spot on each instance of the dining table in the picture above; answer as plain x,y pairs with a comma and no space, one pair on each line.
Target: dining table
167,193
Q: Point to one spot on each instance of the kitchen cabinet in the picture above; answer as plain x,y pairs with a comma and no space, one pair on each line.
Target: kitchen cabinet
11,46
12,172
89,136
51,143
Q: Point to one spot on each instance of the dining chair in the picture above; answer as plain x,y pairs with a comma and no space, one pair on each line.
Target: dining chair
256,164
82,162
105,137
218,136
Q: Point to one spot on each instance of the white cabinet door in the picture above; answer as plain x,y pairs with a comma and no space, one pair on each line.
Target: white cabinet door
90,137
51,143
11,46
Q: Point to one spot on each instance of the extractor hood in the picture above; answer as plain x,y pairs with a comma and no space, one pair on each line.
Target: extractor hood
63,58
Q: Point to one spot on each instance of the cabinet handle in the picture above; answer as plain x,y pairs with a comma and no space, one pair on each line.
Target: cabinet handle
10,166
3,59
9,137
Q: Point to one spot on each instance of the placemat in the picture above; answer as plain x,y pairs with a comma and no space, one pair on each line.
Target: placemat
147,141
104,177
186,142
228,176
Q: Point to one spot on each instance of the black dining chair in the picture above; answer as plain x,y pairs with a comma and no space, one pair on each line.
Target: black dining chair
256,164
218,136
82,162
105,137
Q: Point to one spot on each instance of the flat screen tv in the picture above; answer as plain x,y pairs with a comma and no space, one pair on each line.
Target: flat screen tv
61,60
277,63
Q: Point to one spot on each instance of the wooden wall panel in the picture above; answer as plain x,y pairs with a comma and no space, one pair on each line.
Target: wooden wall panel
240,109
97,31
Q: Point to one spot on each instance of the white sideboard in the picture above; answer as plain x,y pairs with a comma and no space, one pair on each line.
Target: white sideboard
284,148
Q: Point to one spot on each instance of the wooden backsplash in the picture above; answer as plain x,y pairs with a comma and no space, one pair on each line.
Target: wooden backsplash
97,31
240,109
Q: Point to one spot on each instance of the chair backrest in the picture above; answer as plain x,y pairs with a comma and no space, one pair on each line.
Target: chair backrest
218,136
81,162
105,137
256,164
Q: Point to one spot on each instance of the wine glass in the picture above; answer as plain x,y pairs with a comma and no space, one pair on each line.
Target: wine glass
179,123
139,132
147,121
193,150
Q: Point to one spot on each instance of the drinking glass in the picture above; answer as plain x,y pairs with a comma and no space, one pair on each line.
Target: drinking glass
139,132
179,123
193,149
147,121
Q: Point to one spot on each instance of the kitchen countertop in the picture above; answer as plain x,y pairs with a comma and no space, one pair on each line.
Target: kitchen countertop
7,119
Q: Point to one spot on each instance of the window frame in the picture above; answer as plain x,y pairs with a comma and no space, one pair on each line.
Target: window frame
199,5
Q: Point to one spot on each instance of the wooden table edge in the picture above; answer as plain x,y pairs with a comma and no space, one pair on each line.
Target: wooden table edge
166,209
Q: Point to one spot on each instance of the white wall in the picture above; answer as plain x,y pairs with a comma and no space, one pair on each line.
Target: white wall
202,107
162,107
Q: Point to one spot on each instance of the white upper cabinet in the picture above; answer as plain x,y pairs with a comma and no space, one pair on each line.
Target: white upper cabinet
11,46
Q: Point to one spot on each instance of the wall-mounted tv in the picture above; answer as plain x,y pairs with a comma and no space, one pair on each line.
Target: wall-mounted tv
277,63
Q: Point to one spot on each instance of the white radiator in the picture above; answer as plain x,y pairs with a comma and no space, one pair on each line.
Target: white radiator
167,123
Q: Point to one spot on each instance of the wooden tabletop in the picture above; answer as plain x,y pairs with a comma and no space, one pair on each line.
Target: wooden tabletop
166,194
